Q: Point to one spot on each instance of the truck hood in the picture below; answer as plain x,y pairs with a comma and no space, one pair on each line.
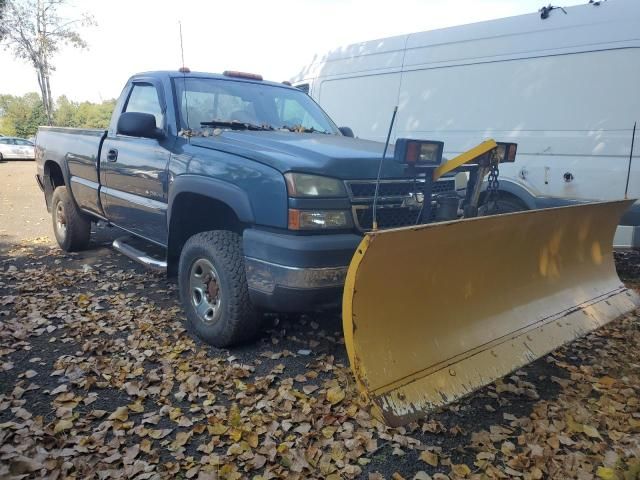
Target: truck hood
329,155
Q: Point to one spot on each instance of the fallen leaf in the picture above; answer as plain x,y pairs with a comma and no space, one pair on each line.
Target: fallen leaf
62,425
591,431
22,465
422,475
62,388
335,395
121,413
158,434
607,381
461,469
327,432
429,457
606,473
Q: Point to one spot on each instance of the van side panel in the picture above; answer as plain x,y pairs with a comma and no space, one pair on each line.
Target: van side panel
571,115
565,89
370,97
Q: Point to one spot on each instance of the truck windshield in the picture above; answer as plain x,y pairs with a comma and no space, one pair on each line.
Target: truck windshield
206,102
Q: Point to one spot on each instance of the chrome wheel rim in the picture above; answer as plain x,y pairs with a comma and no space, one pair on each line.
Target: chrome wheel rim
205,291
61,221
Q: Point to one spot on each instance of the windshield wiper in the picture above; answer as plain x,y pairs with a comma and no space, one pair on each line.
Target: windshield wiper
301,129
234,125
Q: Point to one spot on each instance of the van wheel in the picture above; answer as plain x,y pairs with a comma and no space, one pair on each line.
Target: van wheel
503,204
214,291
71,228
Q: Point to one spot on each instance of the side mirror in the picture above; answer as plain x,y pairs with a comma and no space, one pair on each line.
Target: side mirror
138,124
346,131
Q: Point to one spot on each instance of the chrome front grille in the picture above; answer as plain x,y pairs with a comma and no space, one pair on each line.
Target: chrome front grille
360,190
399,201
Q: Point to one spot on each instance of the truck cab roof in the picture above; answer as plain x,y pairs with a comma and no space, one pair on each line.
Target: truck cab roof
236,77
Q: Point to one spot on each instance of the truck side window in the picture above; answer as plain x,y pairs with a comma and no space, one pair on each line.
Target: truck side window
144,99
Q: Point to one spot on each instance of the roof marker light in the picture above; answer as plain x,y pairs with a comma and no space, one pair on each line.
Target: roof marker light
249,76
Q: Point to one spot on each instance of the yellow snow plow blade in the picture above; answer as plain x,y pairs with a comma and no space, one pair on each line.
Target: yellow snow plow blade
433,312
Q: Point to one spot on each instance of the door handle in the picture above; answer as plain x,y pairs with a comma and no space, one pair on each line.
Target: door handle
112,155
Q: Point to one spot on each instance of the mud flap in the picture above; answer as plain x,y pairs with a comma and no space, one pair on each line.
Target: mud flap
434,312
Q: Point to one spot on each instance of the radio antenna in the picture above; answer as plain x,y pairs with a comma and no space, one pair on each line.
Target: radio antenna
384,154
184,79
633,137
181,46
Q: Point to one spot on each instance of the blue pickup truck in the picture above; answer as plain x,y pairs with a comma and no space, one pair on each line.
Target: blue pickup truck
245,189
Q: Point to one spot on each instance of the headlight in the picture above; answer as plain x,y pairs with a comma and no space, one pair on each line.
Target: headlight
317,219
304,185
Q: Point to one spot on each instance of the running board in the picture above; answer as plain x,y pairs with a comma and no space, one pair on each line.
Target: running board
146,259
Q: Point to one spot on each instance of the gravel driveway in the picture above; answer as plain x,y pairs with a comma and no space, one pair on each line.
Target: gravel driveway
98,379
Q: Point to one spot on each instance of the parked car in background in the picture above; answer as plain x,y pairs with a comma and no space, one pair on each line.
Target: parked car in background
14,148
563,87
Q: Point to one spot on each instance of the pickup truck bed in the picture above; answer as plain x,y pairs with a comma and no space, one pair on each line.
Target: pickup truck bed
79,150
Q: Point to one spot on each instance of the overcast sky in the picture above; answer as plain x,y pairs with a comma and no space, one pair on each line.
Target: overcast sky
275,38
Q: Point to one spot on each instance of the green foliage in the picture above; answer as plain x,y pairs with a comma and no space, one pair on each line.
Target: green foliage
21,116
83,115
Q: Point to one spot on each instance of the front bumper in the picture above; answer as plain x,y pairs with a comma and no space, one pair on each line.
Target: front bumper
293,273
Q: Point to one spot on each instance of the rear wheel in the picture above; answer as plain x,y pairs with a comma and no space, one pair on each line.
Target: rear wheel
71,228
214,291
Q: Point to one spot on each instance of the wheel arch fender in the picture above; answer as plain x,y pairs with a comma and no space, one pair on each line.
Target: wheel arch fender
517,191
231,195
50,183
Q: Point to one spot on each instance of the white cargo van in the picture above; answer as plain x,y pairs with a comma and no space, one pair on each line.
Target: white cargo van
565,88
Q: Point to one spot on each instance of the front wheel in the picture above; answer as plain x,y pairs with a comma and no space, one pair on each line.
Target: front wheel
214,291
71,228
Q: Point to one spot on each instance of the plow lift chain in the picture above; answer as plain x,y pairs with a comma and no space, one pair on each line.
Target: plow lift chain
492,189
480,162
487,165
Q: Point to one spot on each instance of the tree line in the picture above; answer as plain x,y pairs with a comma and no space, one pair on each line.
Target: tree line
34,31
22,115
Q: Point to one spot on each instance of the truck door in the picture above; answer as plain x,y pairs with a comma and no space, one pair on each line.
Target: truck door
134,170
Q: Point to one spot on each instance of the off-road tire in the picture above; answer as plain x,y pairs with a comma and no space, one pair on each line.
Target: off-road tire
77,233
239,320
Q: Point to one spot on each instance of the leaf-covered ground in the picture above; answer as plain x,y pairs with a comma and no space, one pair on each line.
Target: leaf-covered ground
98,379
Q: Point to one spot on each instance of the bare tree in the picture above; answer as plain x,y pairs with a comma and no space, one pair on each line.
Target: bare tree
3,6
34,30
